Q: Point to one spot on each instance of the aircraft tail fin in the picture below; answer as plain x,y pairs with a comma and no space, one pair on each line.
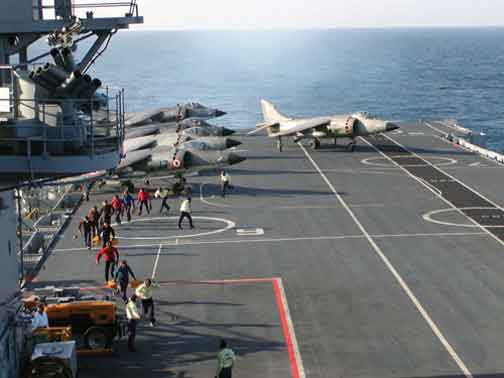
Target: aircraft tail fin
270,114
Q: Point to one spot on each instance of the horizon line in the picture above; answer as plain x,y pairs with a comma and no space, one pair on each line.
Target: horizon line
309,28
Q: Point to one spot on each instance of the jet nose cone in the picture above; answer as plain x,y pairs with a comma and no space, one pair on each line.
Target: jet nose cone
227,132
235,159
232,143
219,113
390,126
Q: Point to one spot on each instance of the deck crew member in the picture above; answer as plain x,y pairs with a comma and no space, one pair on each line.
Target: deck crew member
94,218
225,361
40,319
128,204
107,234
225,179
122,278
85,228
143,198
133,317
185,212
106,212
164,202
111,257
117,206
144,292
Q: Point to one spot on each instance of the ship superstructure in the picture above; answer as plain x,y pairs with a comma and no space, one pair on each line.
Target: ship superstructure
48,118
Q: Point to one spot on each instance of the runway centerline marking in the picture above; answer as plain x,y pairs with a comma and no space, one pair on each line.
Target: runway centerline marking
451,351
229,225
281,240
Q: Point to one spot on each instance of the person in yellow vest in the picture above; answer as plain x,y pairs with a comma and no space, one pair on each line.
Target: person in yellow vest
144,292
133,317
225,361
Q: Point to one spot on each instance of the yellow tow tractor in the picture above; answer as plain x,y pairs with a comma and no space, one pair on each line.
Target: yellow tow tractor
93,323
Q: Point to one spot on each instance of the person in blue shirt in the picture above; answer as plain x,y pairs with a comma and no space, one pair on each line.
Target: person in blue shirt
122,276
129,204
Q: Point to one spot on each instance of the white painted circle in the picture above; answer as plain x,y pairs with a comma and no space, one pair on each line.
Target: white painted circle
229,225
428,217
376,161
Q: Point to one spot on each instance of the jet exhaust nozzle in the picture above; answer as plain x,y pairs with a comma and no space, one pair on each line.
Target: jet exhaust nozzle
230,143
236,159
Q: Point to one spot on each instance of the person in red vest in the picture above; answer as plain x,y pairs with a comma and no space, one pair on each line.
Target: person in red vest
111,257
117,205
143,198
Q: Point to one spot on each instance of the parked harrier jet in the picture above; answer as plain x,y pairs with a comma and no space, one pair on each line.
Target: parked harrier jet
159,161
180,141
337,126
172,114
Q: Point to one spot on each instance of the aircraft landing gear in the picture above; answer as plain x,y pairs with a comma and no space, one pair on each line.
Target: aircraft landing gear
351,146
315,144
279,144
335,141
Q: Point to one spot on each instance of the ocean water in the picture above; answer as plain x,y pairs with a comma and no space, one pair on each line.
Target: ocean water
397,74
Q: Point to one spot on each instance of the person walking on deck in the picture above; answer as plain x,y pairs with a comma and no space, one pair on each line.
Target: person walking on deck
85,229
122,276
144,292
117,204
107,234
94,219
106,212
225,179
164,202
225,361
128,204
143,198
133,317
185,212
111,257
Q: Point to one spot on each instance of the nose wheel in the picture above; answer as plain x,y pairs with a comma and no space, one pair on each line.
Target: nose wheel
351,146
279,144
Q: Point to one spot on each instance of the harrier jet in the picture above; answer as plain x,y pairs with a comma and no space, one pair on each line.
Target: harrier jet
172,114
333,127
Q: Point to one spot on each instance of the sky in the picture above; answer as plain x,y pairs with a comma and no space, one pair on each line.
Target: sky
272,14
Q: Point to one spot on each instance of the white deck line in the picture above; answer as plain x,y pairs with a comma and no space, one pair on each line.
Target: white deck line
281,240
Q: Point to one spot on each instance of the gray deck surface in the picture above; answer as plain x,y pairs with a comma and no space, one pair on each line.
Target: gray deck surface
351,316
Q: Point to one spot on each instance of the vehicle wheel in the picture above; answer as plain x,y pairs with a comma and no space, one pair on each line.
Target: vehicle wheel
97,338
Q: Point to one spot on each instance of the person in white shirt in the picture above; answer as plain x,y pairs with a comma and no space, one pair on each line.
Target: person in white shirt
40,319
224,178
185,212
133,317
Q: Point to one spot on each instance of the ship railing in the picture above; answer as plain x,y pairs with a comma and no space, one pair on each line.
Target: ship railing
53,9
49,133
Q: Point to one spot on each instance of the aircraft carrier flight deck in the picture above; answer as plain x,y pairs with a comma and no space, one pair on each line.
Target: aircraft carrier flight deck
383,262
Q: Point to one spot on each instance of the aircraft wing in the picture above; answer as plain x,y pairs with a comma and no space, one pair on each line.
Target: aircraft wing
134,157
262,126
302,126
